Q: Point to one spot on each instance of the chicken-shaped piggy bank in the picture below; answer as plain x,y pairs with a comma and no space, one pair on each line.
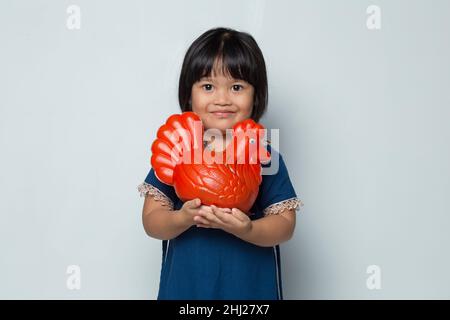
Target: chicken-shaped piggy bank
229,178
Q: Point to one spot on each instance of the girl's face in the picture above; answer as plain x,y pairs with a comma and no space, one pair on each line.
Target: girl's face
222,101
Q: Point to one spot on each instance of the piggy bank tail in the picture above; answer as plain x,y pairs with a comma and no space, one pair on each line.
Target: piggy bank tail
175,142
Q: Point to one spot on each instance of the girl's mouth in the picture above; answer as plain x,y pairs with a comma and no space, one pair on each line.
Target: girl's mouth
223,114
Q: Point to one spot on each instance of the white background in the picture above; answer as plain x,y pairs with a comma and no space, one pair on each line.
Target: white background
364,132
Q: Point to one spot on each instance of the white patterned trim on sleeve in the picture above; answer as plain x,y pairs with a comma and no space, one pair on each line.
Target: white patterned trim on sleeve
148,189
288,204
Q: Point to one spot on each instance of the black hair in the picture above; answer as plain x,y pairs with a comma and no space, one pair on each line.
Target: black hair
240,56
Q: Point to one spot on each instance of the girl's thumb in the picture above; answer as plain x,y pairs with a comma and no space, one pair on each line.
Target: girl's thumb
195,202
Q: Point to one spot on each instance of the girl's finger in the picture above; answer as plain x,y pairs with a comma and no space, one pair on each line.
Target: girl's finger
206,208
209,216
217,214
221,209
224,216
201,220
239,214
194,203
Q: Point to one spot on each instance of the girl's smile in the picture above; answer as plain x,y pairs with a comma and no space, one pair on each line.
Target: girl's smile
223,114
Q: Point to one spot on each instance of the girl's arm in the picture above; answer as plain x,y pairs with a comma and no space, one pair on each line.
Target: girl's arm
164,224
270,230
265,232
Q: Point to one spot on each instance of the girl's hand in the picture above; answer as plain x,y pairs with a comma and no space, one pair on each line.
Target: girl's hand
189,210
233,221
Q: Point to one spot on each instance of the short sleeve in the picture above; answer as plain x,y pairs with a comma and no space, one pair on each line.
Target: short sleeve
276,192
158,190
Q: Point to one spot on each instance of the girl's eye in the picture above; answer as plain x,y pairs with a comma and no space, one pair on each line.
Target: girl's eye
207,87
237,87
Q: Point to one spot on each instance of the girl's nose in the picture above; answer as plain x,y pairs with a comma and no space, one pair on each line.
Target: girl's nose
221,97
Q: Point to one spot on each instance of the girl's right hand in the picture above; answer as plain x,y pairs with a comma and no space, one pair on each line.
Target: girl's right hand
189,210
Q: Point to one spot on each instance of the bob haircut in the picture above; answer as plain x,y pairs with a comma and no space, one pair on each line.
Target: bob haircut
241,58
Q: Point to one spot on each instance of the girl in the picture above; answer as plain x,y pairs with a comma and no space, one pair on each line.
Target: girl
222,253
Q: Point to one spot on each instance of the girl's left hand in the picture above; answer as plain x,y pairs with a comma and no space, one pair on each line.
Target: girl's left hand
233,221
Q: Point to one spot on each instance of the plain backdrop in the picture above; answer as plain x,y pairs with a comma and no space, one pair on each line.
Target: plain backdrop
364,133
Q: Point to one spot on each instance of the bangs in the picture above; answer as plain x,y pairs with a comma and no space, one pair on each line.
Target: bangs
227,58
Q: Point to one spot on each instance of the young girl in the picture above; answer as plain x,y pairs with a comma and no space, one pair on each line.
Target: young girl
222,253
